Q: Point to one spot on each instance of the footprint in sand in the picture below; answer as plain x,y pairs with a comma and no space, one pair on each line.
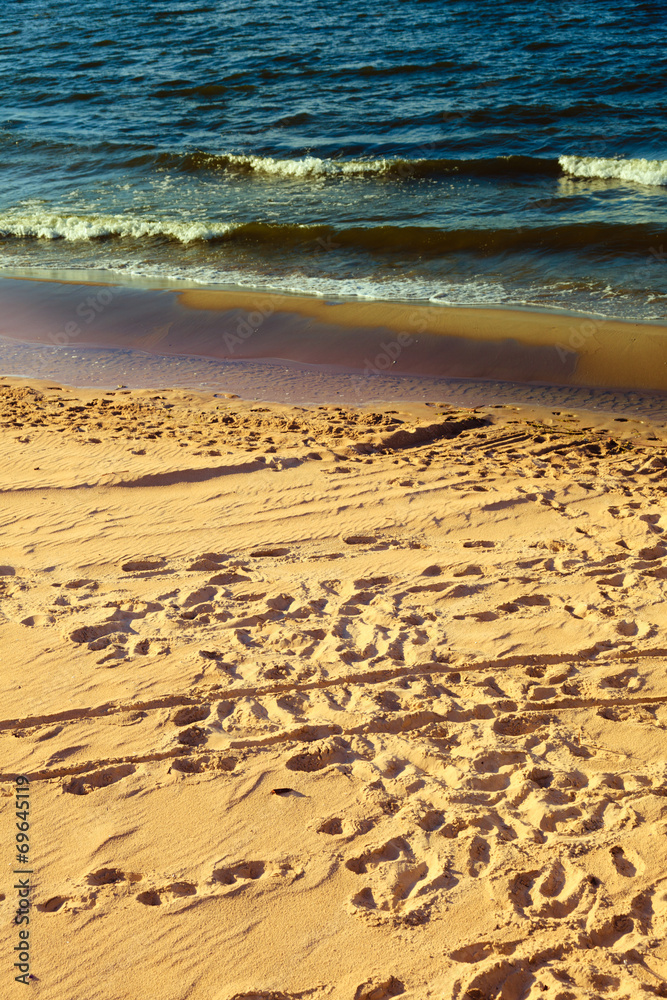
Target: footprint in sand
485,616
199,765
653,552
519,889
622,863
533,601
623,679
224,579
371,582
432,571
106,876
397,883
144,565
78,584
177,890
472,569
281,602
182,889
188,716
193,736
211,654
517,725
38,620
329,752
83,784
149,898
374,989
652,522
541,776
240,874
479,855
200,596
91,633
200,612
431,820
52,905
360,540
333,827
117,652
553,882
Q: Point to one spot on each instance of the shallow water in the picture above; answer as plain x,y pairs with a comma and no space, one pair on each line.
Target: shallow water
283,382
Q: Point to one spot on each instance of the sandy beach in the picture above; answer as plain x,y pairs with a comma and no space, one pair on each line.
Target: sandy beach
333,481
331,702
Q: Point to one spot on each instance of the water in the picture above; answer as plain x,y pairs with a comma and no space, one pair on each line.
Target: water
454,152
292,384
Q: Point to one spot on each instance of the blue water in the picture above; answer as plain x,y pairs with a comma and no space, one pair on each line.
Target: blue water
457,152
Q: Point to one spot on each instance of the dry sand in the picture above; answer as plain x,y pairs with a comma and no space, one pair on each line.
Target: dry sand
440,633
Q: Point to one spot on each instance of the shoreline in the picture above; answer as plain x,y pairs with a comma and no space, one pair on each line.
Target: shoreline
281,382
145,282
372,338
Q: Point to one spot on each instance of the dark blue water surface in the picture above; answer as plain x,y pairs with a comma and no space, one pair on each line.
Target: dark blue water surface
458,152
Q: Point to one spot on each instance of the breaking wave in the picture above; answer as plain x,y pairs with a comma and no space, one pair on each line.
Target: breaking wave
322,167
382,239
76,228
651,172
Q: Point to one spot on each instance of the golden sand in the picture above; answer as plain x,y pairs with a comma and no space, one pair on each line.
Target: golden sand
333,703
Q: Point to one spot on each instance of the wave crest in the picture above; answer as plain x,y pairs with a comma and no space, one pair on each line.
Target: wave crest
397,168
76,228
650,172
382,239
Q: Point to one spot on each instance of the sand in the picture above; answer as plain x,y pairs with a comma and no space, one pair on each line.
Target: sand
333,703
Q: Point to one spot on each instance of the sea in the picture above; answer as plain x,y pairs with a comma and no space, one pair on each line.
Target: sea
500,154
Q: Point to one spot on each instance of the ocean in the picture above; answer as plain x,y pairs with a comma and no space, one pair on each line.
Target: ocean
505,154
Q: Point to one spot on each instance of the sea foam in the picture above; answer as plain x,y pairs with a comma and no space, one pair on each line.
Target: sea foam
307,166
51,226
651,172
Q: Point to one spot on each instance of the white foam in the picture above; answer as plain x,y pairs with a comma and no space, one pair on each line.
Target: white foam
313,166
598,300
650,172
467,292
51,226
438,293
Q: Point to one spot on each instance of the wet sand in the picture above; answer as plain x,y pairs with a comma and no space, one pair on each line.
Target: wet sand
366,338
334,702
